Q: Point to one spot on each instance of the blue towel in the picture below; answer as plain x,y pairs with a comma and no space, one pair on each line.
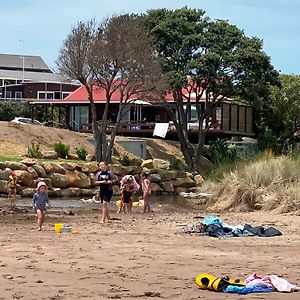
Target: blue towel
242,290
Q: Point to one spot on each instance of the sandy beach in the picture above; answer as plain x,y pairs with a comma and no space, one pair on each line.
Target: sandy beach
138,256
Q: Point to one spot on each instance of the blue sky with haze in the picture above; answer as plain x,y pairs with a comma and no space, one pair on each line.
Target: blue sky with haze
43,24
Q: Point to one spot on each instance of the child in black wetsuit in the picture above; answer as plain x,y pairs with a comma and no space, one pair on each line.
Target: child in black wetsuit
105,179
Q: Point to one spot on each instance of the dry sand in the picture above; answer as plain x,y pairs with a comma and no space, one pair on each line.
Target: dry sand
139,254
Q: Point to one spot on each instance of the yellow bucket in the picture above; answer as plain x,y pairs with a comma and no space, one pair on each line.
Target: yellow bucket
58,227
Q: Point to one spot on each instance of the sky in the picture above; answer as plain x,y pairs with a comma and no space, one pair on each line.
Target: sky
38,27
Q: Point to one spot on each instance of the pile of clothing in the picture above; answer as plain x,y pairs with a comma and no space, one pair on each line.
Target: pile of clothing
252,284
215,227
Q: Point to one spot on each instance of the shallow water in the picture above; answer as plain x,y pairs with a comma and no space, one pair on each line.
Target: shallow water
158,203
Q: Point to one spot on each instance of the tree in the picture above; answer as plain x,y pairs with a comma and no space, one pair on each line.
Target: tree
116,56
281,118
208,60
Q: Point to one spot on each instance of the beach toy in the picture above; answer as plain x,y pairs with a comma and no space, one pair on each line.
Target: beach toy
75,232
58,227
66,229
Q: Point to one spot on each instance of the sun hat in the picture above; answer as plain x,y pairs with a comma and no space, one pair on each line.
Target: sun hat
41,183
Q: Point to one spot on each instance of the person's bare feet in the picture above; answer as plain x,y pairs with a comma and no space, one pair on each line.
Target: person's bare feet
40,228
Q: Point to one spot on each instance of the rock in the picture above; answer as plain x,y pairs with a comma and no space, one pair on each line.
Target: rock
72,156
168,186
27,192
50,155
90,157
85,170
182,174
15,166
24,178
48,182
59,180
33,173
179,190
57,168
40,170
47,167
92,166
154,178
2,165
116,190
160,164
198,179
92,178
148,163
70,192
78,179
87,192
135,161
28,161
165,174
183,182
4,174
70,166
3,187
54,192
155,188
121,170
136,170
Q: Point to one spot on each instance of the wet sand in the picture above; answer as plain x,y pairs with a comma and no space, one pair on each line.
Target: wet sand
138,257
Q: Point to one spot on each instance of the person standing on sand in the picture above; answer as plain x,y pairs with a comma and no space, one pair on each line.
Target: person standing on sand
105,179
39,201
12,186
146,191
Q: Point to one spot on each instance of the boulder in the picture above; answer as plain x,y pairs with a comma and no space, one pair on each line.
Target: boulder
15,165
87,192
85,170
179,190
71,166
160,164
92,166
2,165
154,178
33,172
4,174
3,186
155,188
72,156
27,192
78,179
50,155
136,170
28,161
40,170
24,178
47,167
70,192
92,178
182,174
57,168
116,190
54,192
166,175
121,170
186,182
198,179
135,161
59,180
168,186
90,157
148,163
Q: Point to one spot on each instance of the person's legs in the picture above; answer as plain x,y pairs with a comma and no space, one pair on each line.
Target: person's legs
40,220
105,212
145,197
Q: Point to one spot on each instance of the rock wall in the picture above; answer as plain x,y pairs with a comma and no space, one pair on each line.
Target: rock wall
66,179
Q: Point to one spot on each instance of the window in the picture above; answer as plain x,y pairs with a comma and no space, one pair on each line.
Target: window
41,95
18,95
45,95
65,94
8,94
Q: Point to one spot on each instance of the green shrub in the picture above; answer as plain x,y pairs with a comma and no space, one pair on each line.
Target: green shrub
61,149
82,153
177,164
125,160
34,150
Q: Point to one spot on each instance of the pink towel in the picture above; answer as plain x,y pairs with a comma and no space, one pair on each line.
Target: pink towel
273,281
135,185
